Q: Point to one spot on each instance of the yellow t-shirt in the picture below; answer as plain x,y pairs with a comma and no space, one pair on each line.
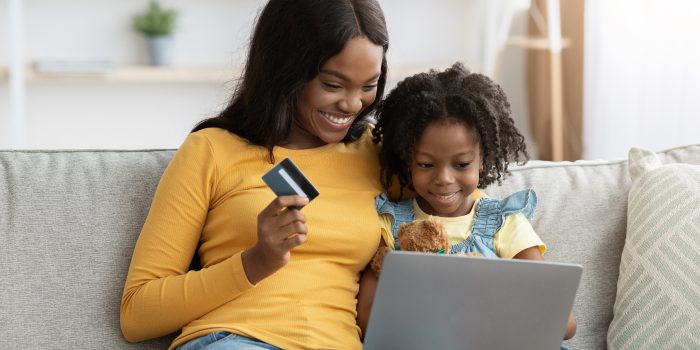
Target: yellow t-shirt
515,235
212,192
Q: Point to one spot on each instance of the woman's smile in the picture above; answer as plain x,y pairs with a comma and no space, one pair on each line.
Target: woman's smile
340,121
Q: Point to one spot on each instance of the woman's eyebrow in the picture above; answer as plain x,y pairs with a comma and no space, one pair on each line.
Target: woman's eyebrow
344,77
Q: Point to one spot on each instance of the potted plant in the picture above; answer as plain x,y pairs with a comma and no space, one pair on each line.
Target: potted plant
158,25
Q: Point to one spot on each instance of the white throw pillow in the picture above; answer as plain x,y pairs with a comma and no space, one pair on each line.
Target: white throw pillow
657,305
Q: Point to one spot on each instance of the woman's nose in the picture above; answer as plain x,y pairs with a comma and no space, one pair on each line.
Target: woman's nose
351,104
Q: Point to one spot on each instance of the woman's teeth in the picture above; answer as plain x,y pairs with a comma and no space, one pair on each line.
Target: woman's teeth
334,119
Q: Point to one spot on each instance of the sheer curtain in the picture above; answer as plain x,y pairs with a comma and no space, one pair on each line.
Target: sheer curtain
642,75
494,21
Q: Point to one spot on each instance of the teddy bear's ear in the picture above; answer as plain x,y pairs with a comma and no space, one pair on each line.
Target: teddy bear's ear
433,224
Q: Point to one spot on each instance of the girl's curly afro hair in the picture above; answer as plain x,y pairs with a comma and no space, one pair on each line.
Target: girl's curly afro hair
454,94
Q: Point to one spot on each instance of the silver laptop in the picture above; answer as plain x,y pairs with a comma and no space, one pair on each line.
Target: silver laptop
431,301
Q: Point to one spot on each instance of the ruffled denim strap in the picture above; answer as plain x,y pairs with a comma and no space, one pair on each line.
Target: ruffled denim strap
524,201
400,212
489,218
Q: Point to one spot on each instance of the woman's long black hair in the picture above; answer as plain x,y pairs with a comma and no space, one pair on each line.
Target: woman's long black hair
291,42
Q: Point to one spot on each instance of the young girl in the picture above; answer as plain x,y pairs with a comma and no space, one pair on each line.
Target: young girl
271,277
446,135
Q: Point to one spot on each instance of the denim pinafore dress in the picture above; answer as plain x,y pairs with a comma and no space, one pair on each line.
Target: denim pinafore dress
490,213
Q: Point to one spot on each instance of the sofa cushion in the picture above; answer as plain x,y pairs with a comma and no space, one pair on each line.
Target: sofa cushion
582,216
68,225
658,291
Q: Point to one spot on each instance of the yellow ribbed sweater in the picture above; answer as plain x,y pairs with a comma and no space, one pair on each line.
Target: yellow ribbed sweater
212,192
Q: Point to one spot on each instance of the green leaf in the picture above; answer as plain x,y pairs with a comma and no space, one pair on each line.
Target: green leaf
156,21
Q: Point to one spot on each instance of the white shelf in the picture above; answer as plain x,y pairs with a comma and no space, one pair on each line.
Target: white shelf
141,74
153,74
534,43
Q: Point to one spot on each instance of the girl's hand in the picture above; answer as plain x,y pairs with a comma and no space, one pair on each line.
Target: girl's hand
279,230
533,253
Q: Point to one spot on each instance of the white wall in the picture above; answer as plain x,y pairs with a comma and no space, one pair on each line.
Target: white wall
642,77
4,33
89,114
5,134
433,33
211,32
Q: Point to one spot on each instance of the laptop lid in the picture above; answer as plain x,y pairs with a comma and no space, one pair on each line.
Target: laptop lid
431,301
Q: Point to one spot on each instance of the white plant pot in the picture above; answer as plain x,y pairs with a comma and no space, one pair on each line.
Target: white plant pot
161,50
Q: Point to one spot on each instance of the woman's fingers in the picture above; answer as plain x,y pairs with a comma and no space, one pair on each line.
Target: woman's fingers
284,223
294,240
287,217
280,204
279,228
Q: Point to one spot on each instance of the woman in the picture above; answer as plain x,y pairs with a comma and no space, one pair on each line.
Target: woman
271,276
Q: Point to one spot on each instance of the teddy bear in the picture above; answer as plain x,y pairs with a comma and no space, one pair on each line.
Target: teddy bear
428,236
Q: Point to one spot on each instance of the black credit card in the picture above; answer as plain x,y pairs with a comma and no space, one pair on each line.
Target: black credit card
285,179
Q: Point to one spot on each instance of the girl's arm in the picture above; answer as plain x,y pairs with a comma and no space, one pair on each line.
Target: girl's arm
533,253
365,297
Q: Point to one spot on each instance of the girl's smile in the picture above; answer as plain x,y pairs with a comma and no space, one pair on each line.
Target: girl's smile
445,198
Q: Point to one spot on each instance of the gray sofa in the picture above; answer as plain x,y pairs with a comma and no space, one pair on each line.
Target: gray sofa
69,221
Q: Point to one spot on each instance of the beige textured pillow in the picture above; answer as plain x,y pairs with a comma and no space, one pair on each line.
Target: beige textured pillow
658,291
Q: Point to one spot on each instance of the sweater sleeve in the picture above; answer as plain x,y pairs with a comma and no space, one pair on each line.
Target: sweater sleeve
160,295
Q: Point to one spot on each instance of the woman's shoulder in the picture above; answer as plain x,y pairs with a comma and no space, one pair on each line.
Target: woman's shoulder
218,136
221,140
220,147
364,144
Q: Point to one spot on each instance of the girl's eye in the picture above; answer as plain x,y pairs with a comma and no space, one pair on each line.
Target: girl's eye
463,165
332,86
424,165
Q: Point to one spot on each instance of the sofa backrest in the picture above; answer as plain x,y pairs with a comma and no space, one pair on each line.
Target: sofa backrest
68,225
69,221
582,217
